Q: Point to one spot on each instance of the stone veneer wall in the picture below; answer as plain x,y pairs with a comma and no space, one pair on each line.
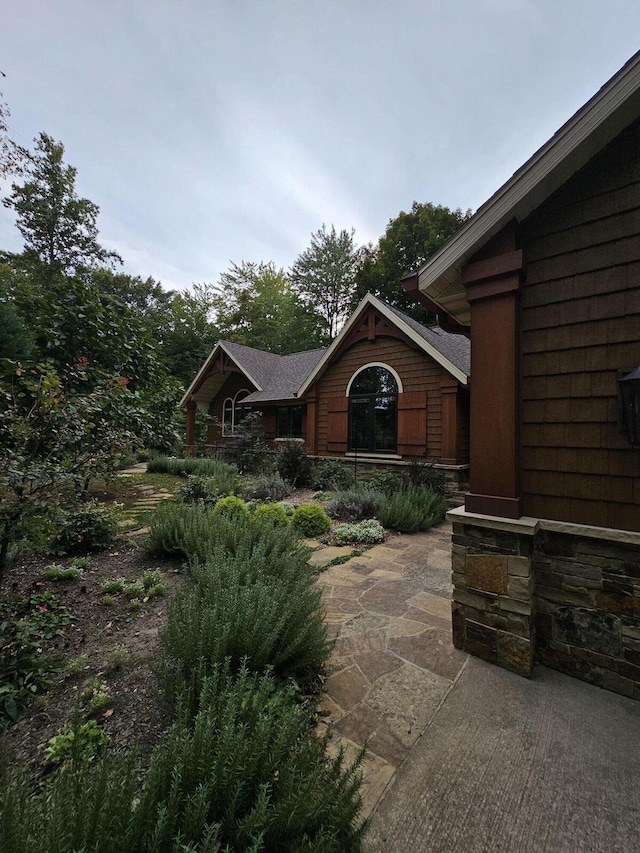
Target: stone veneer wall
565,595
588,609
493,613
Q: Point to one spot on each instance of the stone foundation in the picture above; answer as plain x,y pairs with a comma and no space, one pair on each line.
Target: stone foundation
565,595
493,610
588,609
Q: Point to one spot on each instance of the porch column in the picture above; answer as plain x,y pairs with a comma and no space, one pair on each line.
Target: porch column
451,451
191,424
492,291
312,408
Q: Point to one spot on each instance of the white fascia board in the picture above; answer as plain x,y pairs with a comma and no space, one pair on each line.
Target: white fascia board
344,331
200,374
369,299
445,266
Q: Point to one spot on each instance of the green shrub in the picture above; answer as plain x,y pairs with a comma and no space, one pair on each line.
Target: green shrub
425,474
248,448
81,742
250,765
311,520
330,475
412,510
256,607
114,586
232,507
271,514
266,488
246,774
288,506
28,624
195,533
386,482
354,505
293,464
84,805
368,532
86,527
194,465
151,578
207,489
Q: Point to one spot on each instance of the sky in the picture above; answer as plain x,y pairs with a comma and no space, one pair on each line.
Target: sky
212,132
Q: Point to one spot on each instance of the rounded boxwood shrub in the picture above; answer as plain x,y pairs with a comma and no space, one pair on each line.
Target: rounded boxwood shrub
311,520
232,507
271,514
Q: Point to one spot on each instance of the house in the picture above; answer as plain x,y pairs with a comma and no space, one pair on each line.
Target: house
388,389
545,278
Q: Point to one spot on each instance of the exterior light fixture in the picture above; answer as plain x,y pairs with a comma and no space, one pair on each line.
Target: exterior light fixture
630,395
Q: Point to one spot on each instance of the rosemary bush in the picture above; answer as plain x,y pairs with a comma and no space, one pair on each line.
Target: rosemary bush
203,467
250,765
246,608
195,533
412,510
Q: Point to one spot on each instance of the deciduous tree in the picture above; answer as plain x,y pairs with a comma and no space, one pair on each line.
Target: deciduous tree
409,241
323,275
256,306
59,229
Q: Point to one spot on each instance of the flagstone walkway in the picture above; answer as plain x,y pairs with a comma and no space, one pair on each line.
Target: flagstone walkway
150,497
393,661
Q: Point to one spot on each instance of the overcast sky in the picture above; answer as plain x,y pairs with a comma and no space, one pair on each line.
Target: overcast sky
212,131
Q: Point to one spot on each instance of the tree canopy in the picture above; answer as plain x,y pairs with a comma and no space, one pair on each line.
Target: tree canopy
410,239
256,306
324,273
59,229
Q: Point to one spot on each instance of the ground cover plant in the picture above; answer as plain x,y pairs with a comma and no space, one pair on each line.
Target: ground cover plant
369,532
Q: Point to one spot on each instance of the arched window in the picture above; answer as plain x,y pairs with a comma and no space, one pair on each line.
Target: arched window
373,410
232,414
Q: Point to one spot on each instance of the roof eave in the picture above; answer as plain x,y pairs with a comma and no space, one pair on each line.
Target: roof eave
599,121
203,371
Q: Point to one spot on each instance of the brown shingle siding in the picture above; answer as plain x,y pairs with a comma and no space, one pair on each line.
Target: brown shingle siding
580,321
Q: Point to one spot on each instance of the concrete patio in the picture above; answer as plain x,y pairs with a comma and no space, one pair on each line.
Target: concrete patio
463,757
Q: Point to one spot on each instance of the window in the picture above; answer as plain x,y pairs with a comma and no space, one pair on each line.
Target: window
232,414
373,411
289,422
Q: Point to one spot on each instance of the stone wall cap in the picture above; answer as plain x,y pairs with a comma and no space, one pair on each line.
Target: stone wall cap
611,534
524,525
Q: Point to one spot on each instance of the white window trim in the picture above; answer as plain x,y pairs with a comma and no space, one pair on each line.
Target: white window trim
375,364
233,400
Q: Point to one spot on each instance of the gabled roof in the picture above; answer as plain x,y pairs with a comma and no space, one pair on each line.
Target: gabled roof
450,351
596,124
290,373
274,377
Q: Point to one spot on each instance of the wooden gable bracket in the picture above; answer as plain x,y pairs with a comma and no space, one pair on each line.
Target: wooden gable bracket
223,364
373,325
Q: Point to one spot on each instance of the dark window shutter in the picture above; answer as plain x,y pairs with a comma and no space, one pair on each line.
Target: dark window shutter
412,423
337,424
